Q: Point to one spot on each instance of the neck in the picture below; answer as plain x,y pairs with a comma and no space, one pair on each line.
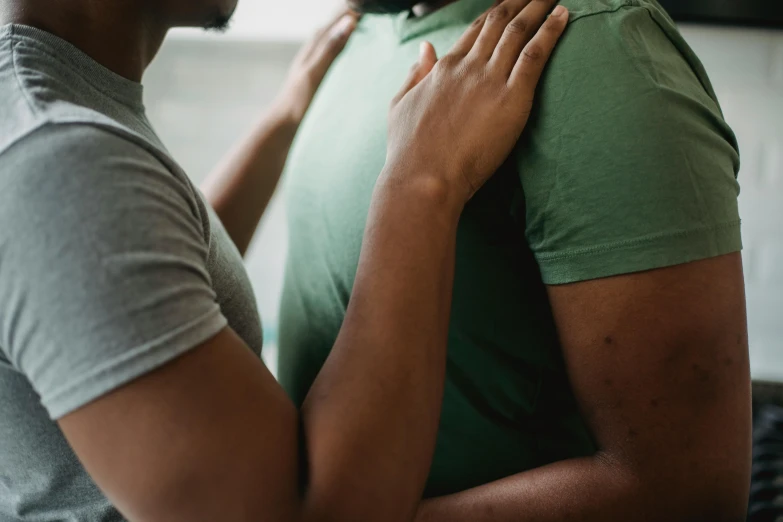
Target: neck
117,34
427,7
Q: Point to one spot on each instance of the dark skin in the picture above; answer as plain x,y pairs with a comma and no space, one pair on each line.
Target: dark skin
214,429
659,365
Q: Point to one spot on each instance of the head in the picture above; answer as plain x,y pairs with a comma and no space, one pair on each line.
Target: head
123,35
210,14
383,6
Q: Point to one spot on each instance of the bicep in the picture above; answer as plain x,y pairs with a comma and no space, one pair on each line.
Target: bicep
659,364
208,436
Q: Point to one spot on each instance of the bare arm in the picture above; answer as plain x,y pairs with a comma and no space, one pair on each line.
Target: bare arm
240,188
211,436
659,364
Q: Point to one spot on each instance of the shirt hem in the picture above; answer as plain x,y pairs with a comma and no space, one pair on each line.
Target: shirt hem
640,255
134,364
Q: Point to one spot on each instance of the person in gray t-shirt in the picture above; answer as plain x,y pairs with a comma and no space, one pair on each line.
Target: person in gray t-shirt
130,378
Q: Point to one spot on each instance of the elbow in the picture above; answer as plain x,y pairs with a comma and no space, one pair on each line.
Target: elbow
690,490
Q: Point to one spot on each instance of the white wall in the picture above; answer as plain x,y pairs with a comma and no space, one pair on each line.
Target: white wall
203,94
278,20
747,70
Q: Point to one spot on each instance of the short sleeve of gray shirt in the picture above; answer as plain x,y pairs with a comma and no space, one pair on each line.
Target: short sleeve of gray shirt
105,277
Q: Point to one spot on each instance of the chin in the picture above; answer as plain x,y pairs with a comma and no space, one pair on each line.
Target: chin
222,14
210,14
229,7
382,6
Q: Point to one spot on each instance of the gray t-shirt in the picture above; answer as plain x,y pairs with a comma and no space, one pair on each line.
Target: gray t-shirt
111,264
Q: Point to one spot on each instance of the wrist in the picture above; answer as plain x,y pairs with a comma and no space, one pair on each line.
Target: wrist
435,191
283,116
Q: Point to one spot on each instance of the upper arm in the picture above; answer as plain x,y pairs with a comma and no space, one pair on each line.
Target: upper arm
629,176
208,436
107,308
659,365
103,264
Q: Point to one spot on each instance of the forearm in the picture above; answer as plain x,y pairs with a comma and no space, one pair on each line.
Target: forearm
591,489
240,188
371,416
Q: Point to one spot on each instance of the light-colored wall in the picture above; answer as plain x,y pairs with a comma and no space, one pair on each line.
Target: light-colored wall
276,20
747,70
202,97
204,94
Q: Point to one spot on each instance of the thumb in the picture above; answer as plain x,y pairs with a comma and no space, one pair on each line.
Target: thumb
427,60
331,43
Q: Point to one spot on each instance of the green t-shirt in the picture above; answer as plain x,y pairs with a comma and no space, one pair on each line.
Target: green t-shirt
626,165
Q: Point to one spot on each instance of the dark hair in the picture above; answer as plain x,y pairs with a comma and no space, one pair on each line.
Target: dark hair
219,22
383,6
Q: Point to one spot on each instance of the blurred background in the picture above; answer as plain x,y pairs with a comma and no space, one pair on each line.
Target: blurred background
205,91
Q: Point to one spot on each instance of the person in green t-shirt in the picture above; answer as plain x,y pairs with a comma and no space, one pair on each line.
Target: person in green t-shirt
598,362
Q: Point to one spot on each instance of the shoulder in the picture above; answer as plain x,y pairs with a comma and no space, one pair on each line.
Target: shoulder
79,175
612,10
51,142
624,63
627,163
626,44
71,159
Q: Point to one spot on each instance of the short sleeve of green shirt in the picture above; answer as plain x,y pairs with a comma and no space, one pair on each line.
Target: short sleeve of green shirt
627,164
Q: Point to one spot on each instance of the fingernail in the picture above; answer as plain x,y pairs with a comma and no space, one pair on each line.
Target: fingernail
343,27
559,11
422,48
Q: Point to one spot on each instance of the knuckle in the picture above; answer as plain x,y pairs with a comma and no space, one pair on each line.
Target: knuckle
552,25
533,53
479,76
467,67
449,61
498,14
518,26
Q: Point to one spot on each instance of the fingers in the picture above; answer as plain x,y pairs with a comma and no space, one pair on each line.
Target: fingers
341,14
531,63
331,43
519,31
427,60
468,38
319,35
495,24
339,32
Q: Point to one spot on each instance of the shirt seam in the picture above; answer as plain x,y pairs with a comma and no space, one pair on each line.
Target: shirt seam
630,4
635,62
12,42
208,320
402,39
638,241
119,132
18,39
